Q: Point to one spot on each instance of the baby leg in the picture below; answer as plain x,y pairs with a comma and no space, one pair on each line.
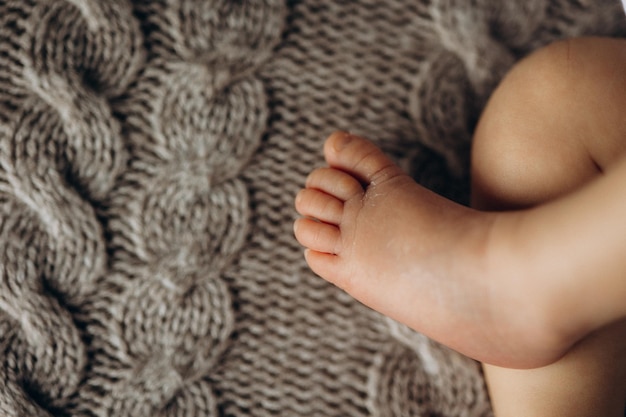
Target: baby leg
555,123
462,276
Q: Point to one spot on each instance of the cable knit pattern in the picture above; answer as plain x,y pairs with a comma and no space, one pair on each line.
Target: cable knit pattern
149,155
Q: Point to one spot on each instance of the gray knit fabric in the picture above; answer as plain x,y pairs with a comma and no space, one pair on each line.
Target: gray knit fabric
149,155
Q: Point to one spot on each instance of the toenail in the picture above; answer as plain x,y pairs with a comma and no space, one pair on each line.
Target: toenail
342,140
295,225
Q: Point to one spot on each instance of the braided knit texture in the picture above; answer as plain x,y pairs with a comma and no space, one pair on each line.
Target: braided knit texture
149,156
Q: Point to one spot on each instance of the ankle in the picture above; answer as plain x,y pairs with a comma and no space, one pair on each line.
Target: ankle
529,304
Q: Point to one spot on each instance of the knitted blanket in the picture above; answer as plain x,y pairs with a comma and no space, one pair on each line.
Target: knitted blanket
149,156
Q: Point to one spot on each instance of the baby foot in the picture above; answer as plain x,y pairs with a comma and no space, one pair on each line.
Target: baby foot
412,255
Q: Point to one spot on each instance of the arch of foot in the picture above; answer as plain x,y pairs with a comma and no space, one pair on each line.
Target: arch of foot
194,117
57,160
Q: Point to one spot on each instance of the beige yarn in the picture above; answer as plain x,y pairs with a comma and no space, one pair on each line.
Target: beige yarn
149,155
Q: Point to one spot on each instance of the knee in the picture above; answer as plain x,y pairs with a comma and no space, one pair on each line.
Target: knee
535,139
535,94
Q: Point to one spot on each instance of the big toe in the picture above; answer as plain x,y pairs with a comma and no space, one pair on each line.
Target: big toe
359,157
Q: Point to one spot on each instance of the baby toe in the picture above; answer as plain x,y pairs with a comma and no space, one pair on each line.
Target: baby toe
319,205
327,266
359,157
318,236
335,183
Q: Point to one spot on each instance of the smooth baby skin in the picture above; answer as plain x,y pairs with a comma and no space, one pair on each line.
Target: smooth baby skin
416,257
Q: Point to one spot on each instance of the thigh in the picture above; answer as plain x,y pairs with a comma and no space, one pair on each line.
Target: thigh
589,381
